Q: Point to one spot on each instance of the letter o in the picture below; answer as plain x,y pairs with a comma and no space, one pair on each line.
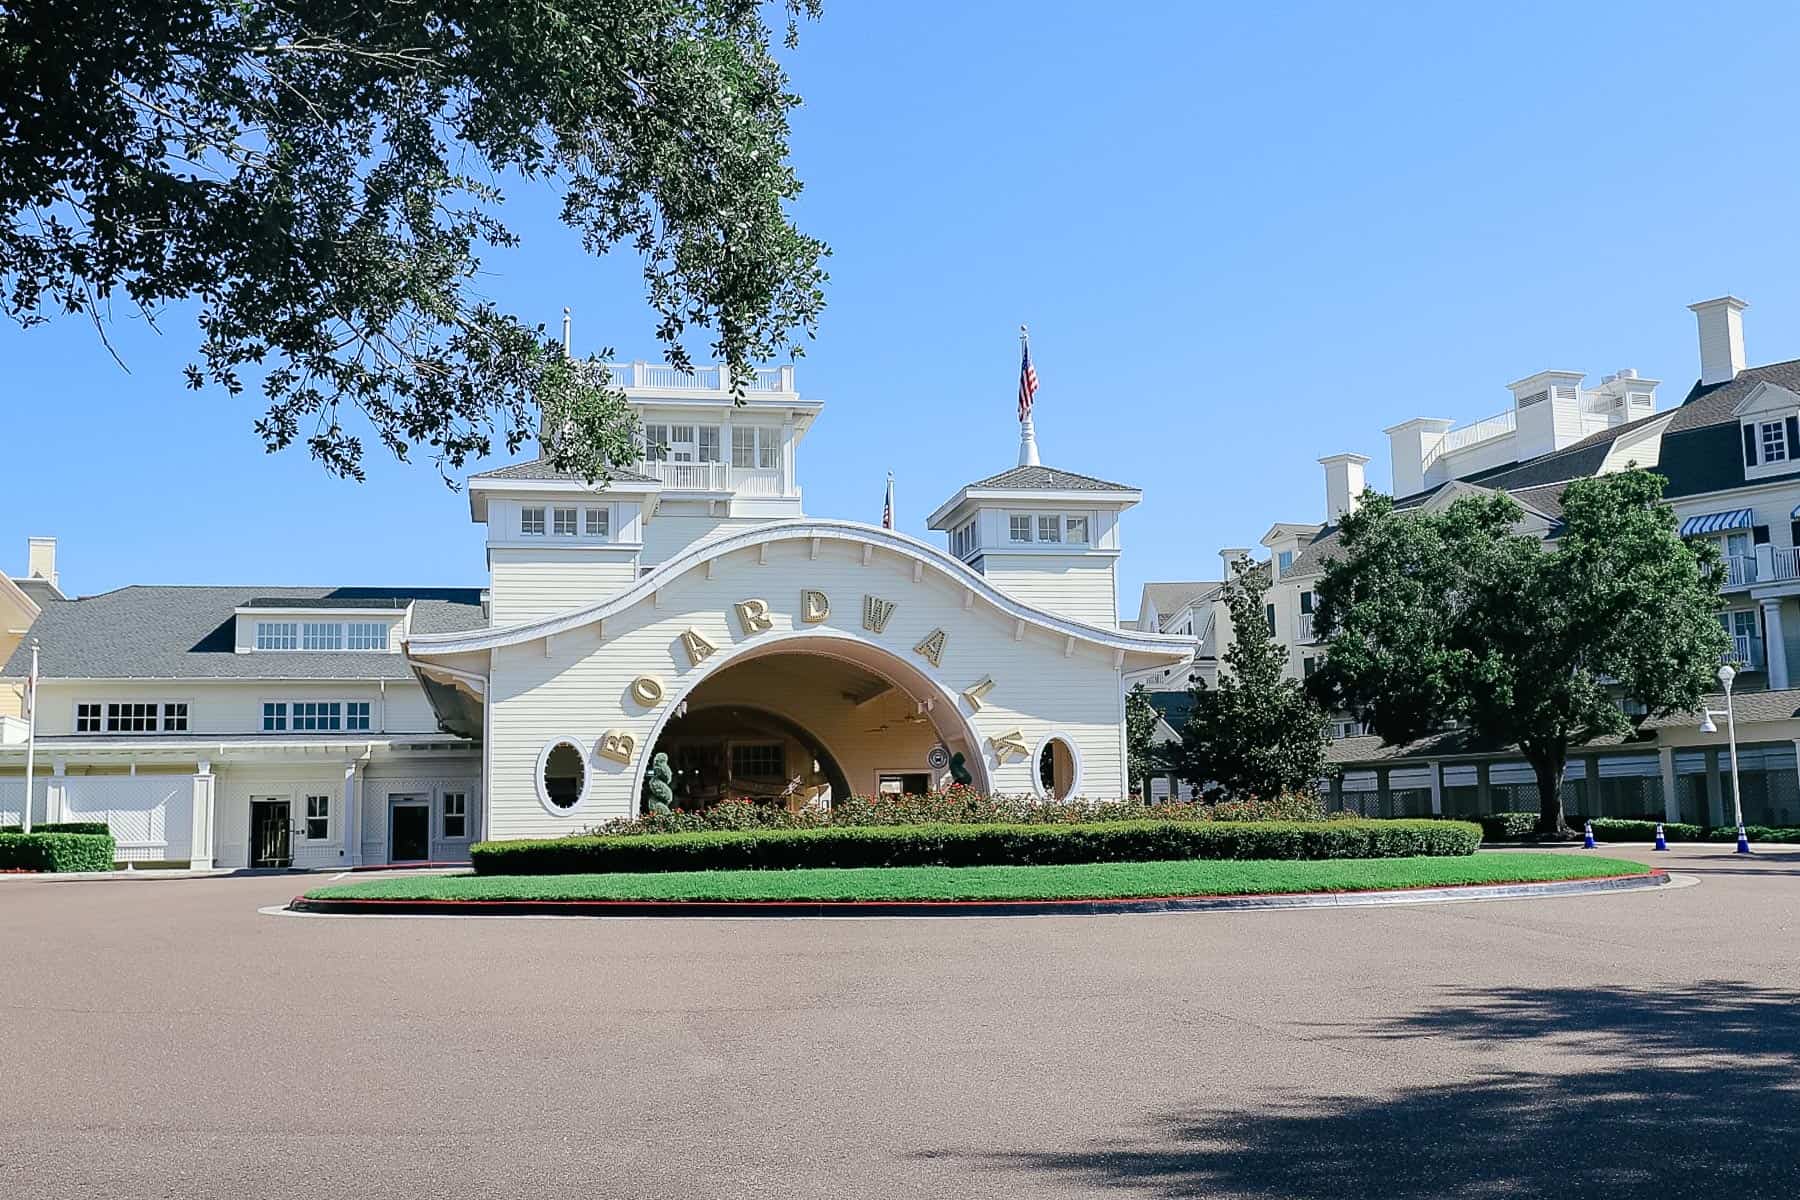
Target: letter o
647,690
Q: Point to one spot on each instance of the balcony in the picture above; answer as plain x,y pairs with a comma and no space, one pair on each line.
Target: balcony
1484,430
1303,629
1746,653
715,477
1784,562
1740,570
663,378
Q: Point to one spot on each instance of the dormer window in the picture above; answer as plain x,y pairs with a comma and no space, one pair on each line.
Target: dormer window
1050,528
599,522
563,522
531,521
1774,441
277,635
1771,443
1075,529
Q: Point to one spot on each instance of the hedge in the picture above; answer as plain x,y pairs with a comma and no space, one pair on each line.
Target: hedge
976,845
1507,826
62,827
56,851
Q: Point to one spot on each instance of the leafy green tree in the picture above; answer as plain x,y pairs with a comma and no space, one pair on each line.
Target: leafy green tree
1140,724
320,179
1257,735
1456,616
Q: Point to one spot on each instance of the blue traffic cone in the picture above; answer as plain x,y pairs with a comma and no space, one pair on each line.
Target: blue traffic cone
1661,842
1743,841
1587,836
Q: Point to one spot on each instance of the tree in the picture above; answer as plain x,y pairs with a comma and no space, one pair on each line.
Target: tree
1455,616
1257,735
321,178
1140,724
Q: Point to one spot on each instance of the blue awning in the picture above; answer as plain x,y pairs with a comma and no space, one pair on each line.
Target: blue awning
1795,515
1737,518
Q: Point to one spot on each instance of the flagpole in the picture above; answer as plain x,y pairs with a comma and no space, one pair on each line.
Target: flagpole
1028,451
30,737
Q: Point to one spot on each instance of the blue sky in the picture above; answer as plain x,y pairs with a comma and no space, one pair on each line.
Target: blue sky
1243,237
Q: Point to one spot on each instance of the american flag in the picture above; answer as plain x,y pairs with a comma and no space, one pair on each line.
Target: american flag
887,505
1027,379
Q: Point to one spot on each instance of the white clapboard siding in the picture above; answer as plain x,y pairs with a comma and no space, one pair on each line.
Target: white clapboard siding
528,584
1080,588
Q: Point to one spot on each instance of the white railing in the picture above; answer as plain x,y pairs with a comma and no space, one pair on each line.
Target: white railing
1303,629
715,477
1486,429
1745,652
1740,570
1786,563
664,377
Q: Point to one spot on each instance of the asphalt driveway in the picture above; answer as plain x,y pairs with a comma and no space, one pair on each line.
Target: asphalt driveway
163,1038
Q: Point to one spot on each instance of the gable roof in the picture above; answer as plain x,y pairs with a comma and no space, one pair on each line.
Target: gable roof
1048,479
1170,598
190,633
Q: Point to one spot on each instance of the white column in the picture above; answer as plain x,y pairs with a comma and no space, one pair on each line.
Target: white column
1437,787
200,832
1774,646
1671,801
352,818
56,793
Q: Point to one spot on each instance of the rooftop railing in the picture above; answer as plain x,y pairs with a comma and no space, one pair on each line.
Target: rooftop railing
1484,430
663,377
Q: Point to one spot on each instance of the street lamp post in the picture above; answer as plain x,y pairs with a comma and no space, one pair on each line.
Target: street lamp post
1726,675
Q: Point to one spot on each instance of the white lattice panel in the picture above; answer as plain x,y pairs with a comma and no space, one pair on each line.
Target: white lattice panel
12,791
151,816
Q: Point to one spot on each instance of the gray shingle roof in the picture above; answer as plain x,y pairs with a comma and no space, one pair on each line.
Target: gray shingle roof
1035,479
189,633
1170,598
41,591
538,468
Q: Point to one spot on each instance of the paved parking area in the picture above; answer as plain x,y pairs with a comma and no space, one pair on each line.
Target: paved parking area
161,1038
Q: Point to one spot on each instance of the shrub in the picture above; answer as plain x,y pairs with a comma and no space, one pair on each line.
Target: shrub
54,851
955,805
1620,829
1506,826
976,845
1756,833
62,827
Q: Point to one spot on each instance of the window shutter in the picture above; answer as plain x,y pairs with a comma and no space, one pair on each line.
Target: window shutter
1750,445
1759,535
1793,437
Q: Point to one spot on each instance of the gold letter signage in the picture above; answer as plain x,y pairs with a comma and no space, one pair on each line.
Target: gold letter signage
815,606
876,612
975,691
754,615
932,648
617,746
696,646
646,690
1009,745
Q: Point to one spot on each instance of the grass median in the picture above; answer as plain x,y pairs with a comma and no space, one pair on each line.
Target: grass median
1085,881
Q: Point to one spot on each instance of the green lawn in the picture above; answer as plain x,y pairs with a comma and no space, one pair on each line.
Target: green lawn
1084,881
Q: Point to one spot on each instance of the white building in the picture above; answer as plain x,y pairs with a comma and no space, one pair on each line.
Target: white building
689,607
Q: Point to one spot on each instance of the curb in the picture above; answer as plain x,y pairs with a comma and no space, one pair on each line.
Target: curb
969,908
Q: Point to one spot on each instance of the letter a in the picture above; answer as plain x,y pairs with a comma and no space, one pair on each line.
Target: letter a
932,648
696,646
876,612
1009,745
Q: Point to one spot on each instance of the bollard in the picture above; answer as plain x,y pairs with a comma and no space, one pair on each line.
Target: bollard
1587,836
1661,842
1743,846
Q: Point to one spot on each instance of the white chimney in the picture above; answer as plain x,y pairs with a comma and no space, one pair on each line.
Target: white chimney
1721,338
1343,484
40,559
1228,558
1408,444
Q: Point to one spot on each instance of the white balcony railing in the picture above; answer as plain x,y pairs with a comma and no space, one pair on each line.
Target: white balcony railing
715,477
1483,430
1740,570
663,377
1746,652
1784,563
1303,629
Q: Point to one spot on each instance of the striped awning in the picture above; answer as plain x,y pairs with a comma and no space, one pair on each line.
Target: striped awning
1737,518
1795,515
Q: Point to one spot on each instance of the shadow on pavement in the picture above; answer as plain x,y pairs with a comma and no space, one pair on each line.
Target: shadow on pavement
1675,1093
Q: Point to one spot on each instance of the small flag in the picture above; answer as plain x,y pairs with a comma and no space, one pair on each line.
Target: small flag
31,687
887,505
1028,381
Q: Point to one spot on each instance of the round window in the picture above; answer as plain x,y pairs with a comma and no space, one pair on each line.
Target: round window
1058,774
562,775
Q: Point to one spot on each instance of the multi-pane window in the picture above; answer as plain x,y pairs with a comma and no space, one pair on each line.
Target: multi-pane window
531,521
131,717
962,541
322,635
88,718
681,443
367,635
274,717
757,760
599,522
318,818
755,446
456,814
310,716
564,522
175,717
277,635
1049,527
356,714
1283,561
709,443
1075,529
1774,442
656,443
1019,527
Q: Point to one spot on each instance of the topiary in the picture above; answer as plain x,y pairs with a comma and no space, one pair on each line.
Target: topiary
959,771
659,790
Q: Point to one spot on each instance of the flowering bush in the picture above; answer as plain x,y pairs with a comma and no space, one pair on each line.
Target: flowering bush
956,805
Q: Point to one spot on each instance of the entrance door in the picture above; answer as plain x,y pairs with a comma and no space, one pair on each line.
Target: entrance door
271,835
409,830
